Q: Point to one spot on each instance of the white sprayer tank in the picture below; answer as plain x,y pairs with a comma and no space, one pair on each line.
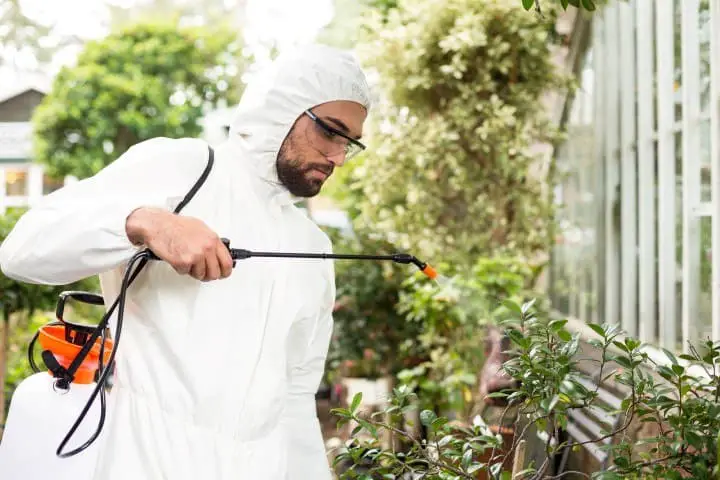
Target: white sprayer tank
41,415
38,419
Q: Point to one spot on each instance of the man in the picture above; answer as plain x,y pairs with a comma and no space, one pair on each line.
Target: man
218,367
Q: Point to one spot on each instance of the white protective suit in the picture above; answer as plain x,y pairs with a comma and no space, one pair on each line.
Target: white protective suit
214,380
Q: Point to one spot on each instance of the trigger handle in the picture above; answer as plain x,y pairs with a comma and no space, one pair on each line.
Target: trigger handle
226,242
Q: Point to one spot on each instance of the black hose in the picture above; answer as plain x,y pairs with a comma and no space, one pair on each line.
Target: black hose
129,276
31,348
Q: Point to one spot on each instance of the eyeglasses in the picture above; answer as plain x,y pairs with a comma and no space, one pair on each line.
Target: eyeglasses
330,141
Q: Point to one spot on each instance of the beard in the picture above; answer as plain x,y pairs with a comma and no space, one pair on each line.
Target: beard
294,171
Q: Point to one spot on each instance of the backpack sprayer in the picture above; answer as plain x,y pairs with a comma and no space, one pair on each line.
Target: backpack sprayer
85,345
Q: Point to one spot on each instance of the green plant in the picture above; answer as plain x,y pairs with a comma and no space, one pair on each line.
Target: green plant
450,317
680,399
453,175
589,5
449,452
368,333
146,80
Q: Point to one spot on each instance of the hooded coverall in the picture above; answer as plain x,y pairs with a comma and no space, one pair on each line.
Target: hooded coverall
213,380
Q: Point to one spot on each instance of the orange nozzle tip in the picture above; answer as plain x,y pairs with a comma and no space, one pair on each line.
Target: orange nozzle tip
430,272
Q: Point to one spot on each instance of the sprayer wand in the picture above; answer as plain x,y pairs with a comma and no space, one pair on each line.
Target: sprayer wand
405,258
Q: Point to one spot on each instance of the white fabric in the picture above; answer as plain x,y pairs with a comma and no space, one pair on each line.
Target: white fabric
214,380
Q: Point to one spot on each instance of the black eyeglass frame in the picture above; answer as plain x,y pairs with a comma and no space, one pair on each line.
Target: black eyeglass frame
333,130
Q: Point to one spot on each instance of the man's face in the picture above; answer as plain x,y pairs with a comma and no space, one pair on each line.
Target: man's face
311,151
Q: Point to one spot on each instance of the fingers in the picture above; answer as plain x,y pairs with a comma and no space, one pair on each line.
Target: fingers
225,260
198,269
191,248
212,265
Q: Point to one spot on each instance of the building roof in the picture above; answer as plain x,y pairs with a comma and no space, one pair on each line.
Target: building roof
24,84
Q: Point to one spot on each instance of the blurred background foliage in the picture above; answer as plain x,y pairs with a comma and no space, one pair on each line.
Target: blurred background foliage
146,80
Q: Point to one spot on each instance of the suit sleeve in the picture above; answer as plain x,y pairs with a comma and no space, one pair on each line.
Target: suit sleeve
78,231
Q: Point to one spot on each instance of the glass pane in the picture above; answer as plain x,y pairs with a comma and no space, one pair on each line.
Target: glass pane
704,328
15,182
656,247
705,163
678,239
677,45
574,262
704,34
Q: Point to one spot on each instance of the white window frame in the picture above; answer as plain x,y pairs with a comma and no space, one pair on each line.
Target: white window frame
635,140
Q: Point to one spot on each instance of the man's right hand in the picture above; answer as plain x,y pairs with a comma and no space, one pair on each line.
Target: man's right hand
186,243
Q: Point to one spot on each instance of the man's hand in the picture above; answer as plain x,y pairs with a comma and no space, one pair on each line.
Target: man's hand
187,244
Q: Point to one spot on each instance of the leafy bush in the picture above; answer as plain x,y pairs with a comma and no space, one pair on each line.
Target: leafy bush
680,398
450,318
369,333
454,174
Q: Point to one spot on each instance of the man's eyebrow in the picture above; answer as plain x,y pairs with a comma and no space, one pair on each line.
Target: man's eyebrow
341,125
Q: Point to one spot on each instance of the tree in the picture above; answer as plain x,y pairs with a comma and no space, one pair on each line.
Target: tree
147,80
450,170
21,298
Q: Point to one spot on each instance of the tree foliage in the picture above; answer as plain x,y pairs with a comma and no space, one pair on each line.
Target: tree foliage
147,80
450,169
538,5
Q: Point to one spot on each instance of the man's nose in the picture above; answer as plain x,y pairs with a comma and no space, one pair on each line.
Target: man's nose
338,159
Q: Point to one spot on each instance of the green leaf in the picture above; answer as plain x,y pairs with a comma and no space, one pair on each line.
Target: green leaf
564,335
597,329
589,5
527,4
467,458
694,440
440,422
621,346
678,369
672,357
427,417
527,306
512,306
356,402
517,338
497,395
557,325
368,426
564,4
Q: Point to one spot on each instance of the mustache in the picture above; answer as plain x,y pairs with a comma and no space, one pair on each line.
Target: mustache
324,168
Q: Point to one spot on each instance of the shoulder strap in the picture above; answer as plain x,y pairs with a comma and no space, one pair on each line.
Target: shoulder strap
199,182
68,374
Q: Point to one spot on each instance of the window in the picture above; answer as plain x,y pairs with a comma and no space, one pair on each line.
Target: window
638,194
16,182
